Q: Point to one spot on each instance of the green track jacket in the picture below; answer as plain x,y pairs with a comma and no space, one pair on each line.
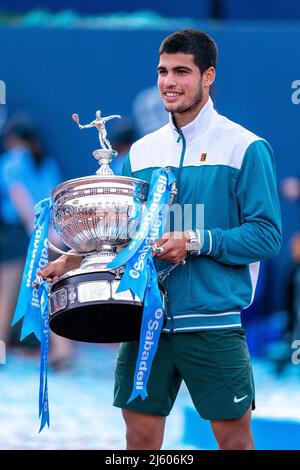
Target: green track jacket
230,172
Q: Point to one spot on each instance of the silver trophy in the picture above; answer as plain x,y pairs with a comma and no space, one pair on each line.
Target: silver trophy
96,216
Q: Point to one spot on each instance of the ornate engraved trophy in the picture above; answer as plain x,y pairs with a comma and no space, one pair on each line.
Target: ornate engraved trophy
96,217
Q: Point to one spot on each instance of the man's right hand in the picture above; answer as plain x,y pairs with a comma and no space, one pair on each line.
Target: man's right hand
53,270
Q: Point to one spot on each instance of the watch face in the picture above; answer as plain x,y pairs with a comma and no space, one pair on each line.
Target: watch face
193,245
195,248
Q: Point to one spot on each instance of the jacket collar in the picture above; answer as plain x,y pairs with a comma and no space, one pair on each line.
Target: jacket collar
201,124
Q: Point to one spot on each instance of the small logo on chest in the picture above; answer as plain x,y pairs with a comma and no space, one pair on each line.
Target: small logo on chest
203,157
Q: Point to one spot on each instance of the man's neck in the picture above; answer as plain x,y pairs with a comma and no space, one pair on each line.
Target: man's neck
183,119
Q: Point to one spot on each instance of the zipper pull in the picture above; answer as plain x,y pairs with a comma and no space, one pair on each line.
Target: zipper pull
179,136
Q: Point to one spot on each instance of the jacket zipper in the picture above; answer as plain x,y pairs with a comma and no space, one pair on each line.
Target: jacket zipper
180,138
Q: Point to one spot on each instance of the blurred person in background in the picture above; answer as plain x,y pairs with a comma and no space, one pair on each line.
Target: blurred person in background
123,136
293,291
290,189
27,176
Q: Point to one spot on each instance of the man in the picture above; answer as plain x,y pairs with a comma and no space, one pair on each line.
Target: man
230,171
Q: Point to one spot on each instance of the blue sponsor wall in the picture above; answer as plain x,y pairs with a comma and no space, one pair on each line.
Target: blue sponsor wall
199,9
227,9
57,72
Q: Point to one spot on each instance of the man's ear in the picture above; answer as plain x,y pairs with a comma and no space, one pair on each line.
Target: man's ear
209,77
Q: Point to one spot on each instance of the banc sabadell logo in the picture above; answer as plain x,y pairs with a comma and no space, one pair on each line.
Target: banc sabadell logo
2,92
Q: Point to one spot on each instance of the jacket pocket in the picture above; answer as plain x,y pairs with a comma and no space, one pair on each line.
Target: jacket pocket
212,286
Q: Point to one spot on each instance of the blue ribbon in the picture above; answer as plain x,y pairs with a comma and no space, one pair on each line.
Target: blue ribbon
32,303
157,206
140,275
152,322
28,305
45,338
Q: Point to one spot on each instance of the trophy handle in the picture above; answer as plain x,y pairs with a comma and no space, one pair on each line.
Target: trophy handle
68,253
165,272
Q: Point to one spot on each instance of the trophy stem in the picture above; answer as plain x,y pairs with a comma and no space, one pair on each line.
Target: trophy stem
104,157
99,259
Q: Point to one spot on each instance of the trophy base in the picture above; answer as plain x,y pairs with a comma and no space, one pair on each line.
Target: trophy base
86,307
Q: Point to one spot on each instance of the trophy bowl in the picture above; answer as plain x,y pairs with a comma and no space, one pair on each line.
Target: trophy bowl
93,212
96,216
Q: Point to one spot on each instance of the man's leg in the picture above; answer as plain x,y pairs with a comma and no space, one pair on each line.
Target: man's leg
143,431
234,434
216,368
145,419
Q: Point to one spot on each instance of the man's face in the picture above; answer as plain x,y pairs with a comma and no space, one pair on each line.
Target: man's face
179,82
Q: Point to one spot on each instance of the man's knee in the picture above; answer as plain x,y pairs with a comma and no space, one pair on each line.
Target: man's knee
143,431
234,434
236,442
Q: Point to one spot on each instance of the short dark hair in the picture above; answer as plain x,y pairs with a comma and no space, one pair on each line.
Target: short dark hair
195,42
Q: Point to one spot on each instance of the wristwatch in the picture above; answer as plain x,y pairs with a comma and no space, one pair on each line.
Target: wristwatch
193,245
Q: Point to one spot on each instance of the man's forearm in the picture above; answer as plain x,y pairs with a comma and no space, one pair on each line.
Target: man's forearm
72,262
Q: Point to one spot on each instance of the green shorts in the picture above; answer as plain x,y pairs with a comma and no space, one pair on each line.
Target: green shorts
215,366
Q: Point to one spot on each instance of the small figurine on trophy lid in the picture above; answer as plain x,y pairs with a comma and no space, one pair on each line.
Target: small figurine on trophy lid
105,154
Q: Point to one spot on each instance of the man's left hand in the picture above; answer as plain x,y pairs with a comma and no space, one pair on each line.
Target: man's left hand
173,247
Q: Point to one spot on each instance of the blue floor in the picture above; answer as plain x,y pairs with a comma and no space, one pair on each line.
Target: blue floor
268,434
82,415
81,411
